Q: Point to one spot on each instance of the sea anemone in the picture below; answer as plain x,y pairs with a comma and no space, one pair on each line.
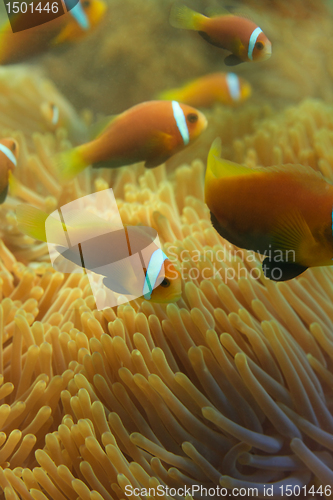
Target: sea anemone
230,387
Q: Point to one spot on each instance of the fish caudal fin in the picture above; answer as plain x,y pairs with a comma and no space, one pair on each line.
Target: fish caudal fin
185,18
70,163
169,95
31,221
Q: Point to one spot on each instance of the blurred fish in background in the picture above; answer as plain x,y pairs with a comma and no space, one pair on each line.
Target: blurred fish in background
9,151
204,92
17,43
63,115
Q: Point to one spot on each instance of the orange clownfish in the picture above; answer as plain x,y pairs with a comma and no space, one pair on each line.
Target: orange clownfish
129,259
9,151
240,36
284,213
152,132
17,43
204,92
63,115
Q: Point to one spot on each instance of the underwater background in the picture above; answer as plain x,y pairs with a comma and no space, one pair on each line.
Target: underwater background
232,385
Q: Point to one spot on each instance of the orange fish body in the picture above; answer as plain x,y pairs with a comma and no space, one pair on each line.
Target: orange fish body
284,212
9,151
24,43
204,92
240,36
152,132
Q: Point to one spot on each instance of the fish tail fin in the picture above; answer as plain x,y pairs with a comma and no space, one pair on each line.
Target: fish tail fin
70,163
31,221
185,18
169,95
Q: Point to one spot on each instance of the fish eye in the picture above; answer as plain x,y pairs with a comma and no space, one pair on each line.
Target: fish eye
259,45
165,283
13,146
86,3
192,117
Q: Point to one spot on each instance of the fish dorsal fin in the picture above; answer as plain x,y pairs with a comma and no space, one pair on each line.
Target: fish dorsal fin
221,168
100,126
217,11
298,169
290,234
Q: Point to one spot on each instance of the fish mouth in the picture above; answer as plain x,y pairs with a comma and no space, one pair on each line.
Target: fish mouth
205,123
172,298
267,54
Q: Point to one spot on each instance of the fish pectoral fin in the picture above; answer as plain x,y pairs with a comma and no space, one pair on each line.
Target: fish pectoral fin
3,194
232,60
115,286
292,234
160,142
155,162
158,149
64,36
123,278
281,271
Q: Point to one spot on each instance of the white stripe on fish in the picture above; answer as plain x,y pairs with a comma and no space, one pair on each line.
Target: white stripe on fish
6,151
178,113
253,38
154,267
233,86
80,16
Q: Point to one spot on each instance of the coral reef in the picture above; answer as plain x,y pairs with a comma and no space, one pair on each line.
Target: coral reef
231,386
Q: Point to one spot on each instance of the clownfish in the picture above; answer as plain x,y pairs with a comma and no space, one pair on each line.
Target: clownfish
18,43
204,92
51,115
152,132
240,36
9,151
283,213
63,116
149,274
